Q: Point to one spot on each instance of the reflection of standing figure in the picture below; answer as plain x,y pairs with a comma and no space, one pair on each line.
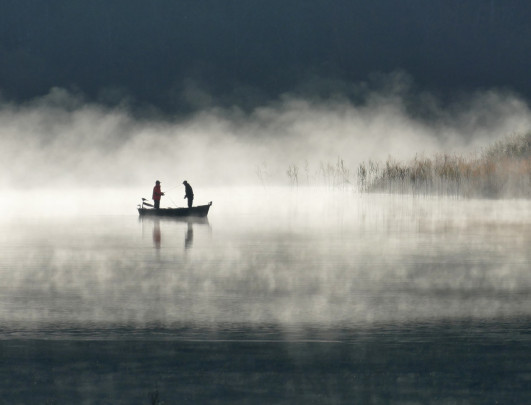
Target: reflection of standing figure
157,194
157,236
189,193
189,237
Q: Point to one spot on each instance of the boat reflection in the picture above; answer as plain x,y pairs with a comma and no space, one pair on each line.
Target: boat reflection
189,236
162,222
157,236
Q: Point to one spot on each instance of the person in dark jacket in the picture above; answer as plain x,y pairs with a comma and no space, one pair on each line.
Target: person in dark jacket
157,194
189,193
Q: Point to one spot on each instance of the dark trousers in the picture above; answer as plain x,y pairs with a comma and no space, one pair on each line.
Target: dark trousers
190,201
157,204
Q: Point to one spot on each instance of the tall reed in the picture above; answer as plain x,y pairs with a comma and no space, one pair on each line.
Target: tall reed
501,170
335,175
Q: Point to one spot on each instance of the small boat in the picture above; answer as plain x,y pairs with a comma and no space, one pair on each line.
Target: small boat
197,211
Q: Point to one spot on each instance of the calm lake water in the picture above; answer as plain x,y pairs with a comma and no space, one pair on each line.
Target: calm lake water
283,296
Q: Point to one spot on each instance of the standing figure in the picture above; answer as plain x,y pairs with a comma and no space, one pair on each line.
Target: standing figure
189,193
157,194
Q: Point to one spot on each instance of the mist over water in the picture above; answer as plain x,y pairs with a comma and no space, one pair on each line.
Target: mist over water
308,293
61,141
294,258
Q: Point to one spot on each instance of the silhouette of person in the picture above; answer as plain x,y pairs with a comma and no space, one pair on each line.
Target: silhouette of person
189,193
157,194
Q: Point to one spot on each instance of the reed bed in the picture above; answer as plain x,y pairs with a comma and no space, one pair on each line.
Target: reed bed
501,170
334,175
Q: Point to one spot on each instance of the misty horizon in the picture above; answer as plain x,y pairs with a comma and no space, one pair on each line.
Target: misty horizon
62,139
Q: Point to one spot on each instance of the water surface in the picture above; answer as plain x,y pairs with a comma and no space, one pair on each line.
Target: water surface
281,296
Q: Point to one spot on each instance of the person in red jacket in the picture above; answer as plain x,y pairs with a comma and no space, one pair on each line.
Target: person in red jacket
157,194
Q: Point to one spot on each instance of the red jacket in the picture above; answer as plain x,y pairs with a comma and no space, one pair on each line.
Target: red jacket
157,193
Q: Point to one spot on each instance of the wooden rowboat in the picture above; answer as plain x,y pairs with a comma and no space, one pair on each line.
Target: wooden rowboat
197,211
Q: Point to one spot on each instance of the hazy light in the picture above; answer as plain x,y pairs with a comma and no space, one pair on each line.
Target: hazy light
279,256
59,141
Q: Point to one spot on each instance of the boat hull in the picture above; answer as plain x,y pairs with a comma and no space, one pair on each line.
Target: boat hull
198,211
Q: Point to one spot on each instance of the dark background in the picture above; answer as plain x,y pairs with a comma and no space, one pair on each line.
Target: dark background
183,55
433,363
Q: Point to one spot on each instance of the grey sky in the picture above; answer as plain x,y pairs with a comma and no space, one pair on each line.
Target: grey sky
183,55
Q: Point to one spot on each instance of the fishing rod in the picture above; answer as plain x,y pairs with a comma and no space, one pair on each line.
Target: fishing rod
144,200
170,189
172,201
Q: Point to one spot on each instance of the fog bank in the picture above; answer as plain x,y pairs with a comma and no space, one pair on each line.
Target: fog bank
61,140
